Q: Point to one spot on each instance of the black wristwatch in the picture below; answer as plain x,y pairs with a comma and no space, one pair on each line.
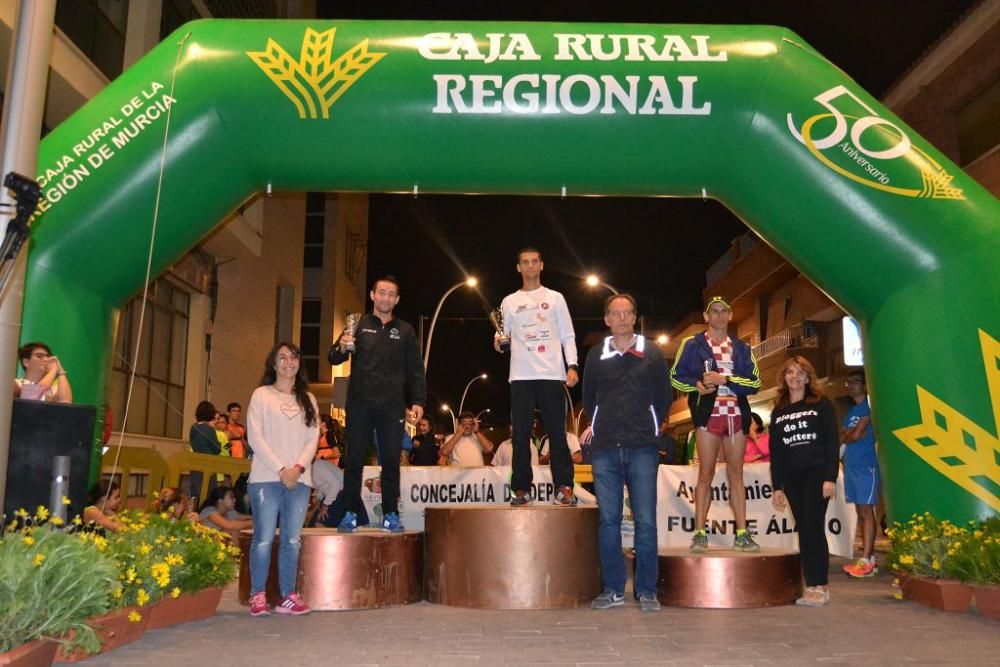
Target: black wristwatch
574,367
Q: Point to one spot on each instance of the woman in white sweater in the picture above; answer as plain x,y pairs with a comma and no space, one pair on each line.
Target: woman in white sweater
282,424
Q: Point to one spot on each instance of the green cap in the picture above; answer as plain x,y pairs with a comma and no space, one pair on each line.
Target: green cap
717,299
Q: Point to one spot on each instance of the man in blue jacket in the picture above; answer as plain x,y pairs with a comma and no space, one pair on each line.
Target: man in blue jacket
625,394
718,373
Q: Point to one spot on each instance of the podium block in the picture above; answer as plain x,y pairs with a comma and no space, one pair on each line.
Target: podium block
499,557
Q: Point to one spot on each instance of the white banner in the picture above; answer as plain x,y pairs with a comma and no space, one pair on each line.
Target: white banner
431,486
422,487
675,511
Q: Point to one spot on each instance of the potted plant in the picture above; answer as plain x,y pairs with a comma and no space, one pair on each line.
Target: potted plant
206,562
141,562
920,557
976,560
50,583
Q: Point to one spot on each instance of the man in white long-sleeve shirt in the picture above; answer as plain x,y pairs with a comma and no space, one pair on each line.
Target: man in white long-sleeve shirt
541,335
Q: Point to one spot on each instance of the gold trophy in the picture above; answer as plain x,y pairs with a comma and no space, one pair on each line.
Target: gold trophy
350,327
496,318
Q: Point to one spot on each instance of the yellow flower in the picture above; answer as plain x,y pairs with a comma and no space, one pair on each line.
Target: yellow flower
77,520
175,593
936,564
28,540
898,595
906,559
175,559
118,593
144,549
164,515
134,616
39,559
130,574
142,597
66,500
100,542
42,513
56,521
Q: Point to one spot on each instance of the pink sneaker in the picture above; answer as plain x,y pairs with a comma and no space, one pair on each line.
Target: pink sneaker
292,604
258,605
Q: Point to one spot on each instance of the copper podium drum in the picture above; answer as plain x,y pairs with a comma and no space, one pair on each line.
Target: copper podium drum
499,557
726,579
365,569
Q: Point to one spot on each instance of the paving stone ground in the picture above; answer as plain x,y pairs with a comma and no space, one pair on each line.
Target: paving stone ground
863,625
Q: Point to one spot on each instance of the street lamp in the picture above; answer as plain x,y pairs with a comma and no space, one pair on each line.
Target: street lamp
594,281
662,339
481,413
461,404
454,422
468,282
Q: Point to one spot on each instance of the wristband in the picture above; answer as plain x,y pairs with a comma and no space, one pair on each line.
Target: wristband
574,367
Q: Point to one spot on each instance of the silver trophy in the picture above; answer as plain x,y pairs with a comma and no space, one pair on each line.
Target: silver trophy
350,327
496,317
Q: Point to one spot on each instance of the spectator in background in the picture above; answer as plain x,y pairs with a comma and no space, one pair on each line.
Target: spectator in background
101,512
467,446
222,434
667,443
219,512
237,432
328,482
504,454
44,377
203,440
575,449
425,445
861,471
174,502
758,442
328,448
202,434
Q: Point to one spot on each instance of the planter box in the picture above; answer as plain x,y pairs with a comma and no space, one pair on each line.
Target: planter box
113,630
987,600
943,594
187,607
38,653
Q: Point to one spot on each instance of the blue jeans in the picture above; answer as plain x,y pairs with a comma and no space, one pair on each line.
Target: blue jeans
270,503
636,469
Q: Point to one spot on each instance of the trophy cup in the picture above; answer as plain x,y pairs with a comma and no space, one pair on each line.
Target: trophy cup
496,318
351,326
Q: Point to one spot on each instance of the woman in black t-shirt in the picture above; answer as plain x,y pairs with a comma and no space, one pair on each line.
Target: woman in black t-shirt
804,447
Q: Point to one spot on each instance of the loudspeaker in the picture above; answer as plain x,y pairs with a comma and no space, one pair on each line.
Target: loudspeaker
40,431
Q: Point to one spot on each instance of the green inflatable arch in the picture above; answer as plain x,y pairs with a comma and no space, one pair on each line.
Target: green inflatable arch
749,115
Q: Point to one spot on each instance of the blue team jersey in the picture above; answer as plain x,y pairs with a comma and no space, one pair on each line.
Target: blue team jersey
860,453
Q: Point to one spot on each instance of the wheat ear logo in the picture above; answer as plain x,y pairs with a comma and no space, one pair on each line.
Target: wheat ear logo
871,150
315,81
956,446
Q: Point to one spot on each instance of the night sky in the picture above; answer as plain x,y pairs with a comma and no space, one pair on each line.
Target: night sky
656,249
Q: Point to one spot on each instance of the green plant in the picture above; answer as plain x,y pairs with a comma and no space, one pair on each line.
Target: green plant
158,555
148,557
921,546
50,583
976,558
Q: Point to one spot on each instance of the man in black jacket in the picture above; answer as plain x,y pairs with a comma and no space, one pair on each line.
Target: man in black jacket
626,394
386,372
